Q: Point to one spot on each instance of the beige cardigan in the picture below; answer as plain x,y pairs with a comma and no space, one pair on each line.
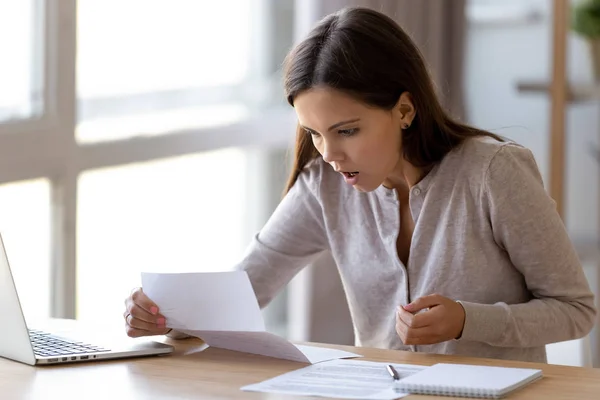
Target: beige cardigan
486,234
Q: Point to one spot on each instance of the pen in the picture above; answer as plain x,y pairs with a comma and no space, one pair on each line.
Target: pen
393,372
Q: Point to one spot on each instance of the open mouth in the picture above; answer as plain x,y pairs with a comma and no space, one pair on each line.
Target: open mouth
350,174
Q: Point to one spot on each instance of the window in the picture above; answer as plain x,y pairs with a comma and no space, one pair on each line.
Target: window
160,45
25,230
144,103
183,66
20,80
181,214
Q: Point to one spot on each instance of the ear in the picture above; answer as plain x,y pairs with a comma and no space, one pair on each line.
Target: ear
406,110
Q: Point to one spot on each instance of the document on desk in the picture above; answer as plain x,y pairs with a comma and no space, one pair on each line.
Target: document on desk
348,379
221,309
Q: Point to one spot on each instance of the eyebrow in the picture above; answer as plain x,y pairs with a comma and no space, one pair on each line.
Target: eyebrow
332,127
336,125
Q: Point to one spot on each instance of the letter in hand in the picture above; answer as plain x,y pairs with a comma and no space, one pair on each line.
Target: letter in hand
142,316
429,320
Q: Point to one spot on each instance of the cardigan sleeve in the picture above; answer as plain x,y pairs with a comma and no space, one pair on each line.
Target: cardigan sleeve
526,224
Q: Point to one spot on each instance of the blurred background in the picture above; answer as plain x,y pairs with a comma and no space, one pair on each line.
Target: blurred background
154,136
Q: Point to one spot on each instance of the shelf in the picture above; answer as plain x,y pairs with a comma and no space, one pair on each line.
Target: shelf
576,93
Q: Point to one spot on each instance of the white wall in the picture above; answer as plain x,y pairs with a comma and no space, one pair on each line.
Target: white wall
501,54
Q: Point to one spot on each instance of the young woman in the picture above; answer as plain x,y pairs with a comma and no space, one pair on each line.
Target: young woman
444,236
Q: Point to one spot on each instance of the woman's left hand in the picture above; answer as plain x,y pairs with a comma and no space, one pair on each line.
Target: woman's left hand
442,319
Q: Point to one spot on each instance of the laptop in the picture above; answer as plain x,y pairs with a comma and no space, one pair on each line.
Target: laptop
37,347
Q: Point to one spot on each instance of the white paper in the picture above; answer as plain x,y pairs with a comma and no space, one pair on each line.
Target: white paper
319,354
349,379
221,309
205,301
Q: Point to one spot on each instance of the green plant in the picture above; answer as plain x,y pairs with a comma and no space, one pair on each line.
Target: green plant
586,18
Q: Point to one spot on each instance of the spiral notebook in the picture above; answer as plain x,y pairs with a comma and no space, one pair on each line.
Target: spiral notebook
468,380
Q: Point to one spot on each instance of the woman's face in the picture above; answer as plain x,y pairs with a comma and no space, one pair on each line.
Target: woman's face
360,142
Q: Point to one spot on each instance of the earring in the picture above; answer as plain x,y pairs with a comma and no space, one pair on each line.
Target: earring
405,126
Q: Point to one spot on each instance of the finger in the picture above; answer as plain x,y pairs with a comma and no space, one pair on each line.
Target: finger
405,316
401,326
418,334
141,314
401,330
135,333
143,325
420,320
139,297
431,317
421,303
412,336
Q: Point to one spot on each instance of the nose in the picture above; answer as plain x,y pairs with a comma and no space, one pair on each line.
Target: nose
330,153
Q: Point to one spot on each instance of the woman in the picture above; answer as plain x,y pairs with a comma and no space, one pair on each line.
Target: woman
444,236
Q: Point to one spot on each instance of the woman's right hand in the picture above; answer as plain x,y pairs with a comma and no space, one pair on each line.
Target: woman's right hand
142,316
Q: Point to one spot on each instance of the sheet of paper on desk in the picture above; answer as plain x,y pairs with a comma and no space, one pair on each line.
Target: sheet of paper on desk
221,308
270,345
348,379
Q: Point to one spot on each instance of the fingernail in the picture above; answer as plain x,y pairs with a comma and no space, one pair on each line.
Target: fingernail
160,321
408,307
154,310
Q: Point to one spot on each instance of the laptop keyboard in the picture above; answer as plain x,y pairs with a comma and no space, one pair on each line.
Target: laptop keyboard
47,345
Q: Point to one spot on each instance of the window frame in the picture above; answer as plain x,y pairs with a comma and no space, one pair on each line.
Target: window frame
46,146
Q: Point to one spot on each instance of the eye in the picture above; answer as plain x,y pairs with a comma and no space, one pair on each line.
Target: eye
310,132
348,132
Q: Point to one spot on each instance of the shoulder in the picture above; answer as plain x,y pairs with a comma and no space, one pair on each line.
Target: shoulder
313,170
480,159
327,185
484,150
319,176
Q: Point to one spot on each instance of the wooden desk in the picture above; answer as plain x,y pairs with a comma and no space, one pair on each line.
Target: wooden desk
197,372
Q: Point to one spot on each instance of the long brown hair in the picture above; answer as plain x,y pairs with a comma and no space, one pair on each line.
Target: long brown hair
367,55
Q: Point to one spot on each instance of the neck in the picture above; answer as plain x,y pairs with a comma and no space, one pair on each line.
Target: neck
404,177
